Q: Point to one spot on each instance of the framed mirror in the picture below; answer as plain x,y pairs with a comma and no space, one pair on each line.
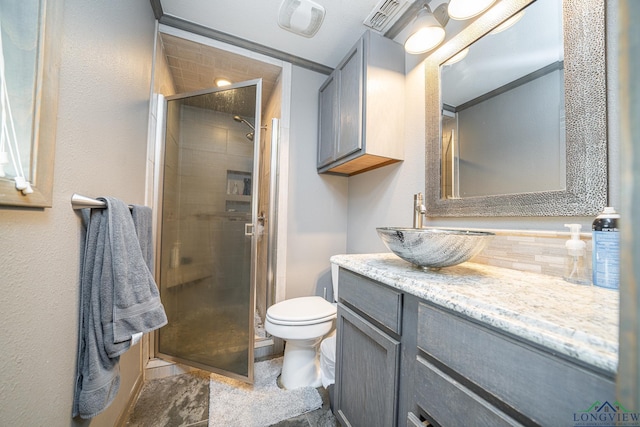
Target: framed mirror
518,127
30,38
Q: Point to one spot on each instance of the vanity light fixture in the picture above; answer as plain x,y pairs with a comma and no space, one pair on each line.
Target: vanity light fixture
467,9
426,32
508,23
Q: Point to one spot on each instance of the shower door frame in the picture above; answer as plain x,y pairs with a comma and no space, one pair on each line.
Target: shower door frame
158,204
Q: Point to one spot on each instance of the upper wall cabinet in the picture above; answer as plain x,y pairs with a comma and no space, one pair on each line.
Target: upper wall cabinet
361,114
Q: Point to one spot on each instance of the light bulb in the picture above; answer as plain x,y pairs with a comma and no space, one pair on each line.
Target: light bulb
426,33
424,40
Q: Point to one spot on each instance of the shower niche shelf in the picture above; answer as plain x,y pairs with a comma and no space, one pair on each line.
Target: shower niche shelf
238,198
238,183
238,205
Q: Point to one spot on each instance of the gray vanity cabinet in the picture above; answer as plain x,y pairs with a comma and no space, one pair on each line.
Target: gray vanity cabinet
367,354
368,373
361,108
403,361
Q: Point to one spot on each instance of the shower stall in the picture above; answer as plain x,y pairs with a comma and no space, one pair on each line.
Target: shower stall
216,228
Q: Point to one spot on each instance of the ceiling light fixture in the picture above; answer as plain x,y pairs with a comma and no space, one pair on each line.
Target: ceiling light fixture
302,17
426,32
466,9
221,81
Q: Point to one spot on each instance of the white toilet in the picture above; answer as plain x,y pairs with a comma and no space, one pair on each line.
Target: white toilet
302,322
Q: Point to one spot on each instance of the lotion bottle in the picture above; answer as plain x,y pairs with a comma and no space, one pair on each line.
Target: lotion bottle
576,262
606,249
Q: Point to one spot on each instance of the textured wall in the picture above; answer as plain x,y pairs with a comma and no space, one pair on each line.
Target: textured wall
384,197
101,150
317,213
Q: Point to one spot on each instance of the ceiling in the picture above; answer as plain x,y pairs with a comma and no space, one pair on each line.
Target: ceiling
195,66
253,24
257,21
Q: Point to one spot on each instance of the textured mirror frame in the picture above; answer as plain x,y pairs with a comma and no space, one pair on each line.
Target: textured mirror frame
46,112
586,120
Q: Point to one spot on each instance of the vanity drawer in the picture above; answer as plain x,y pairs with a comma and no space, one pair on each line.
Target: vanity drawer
379,302
452,404
545,388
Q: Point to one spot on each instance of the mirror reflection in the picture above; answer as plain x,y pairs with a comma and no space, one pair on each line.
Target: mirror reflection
503,109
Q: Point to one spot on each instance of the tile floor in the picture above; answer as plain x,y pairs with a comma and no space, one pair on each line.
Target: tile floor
183,401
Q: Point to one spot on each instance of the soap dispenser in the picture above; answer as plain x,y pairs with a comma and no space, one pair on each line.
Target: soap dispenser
576,262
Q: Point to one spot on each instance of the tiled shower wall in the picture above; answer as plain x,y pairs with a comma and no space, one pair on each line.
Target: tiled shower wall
533,251
206,153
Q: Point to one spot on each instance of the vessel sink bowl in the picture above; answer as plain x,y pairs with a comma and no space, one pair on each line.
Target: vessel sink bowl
434,248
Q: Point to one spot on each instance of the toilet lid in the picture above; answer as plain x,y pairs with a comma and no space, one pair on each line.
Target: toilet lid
303,309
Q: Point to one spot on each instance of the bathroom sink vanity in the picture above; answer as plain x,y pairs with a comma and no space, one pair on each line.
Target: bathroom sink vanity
469,345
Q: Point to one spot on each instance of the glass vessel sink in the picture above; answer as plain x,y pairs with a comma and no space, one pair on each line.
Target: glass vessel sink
434,247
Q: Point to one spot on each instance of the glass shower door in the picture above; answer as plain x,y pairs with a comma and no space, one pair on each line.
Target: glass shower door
207,245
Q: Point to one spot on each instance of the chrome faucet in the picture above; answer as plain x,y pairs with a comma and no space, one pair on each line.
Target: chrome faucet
418,210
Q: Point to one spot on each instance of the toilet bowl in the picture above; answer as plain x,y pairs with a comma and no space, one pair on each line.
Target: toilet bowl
302,322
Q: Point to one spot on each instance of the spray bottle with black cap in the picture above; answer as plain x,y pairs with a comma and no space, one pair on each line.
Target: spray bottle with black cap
606,249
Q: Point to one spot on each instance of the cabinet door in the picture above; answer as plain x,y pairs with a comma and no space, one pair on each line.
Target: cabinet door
350,98
327,133
367,362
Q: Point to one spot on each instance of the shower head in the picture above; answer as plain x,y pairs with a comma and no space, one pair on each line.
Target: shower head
241,120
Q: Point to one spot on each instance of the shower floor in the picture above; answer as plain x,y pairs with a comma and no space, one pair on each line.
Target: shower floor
213,337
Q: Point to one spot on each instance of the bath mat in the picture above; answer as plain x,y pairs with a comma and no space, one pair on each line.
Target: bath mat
233,403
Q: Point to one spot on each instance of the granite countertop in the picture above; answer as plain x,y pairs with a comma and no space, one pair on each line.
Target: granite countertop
578,321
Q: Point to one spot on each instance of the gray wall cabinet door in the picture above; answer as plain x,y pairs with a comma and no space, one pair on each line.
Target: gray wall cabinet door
350,99
340,120
367,363
327,125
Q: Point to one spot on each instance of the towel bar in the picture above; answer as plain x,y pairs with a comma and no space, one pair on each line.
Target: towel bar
81,202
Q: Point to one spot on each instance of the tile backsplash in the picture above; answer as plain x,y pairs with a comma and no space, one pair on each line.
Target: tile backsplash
534,251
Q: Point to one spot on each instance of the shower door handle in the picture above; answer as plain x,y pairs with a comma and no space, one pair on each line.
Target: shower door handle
248,229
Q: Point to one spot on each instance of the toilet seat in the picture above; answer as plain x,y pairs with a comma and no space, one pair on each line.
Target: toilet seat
301,311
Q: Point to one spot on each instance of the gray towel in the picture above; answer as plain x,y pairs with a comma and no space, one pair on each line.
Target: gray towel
97,377
143,221
119,293
136,305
